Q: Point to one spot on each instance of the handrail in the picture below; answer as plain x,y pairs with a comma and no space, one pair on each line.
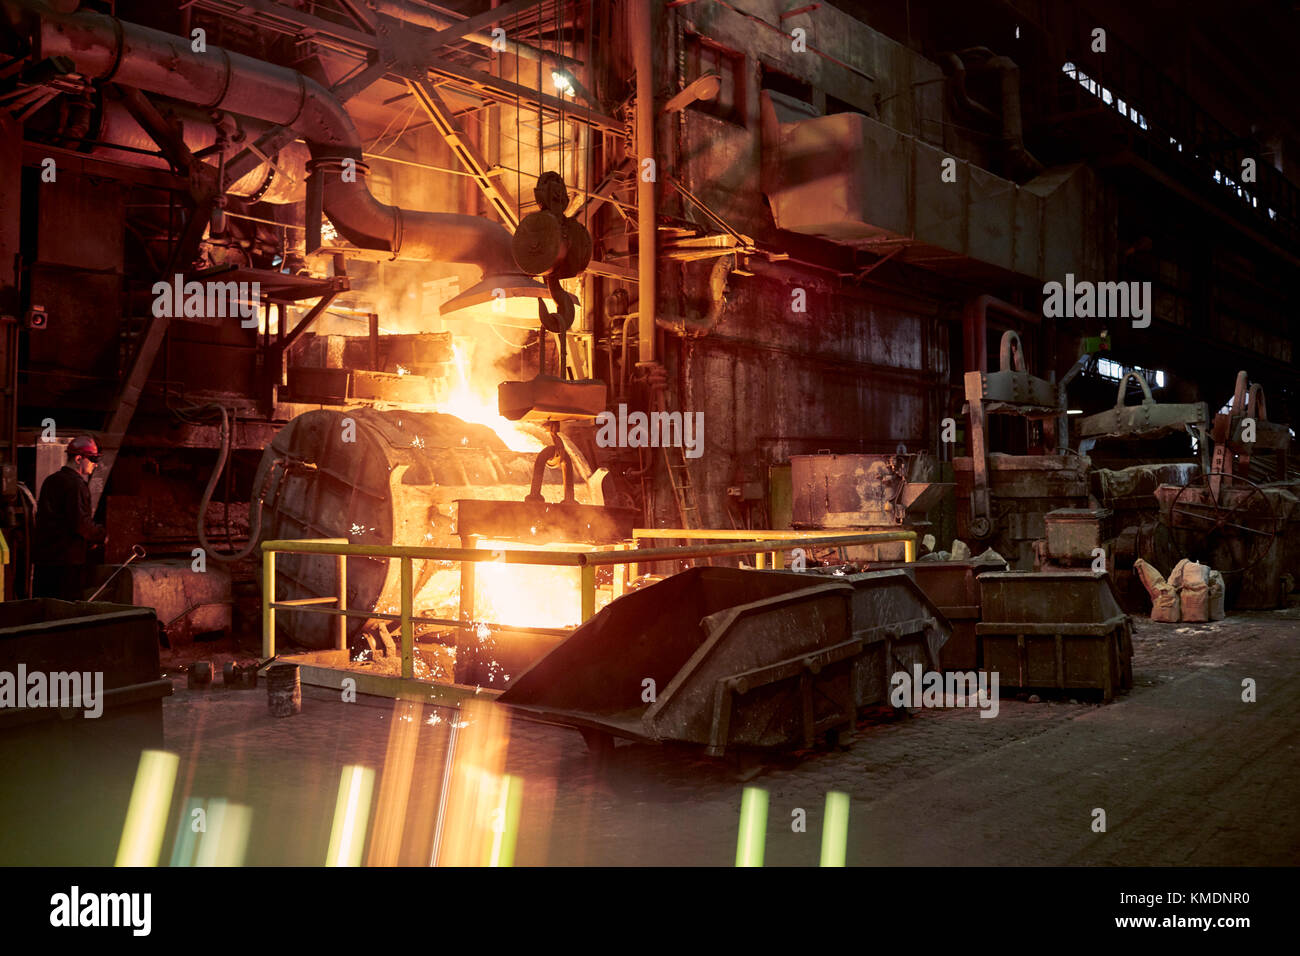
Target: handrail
764,545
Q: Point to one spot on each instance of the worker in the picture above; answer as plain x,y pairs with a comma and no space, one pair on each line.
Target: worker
64,526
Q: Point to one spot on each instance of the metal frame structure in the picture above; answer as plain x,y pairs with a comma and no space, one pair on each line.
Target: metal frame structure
318,671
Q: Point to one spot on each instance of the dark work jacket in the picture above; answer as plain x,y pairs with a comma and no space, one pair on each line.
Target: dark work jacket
63,520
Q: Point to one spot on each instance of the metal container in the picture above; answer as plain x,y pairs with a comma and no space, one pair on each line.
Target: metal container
951,587
847,491
726,658
283,690
188,602
199,675
52,757
899,628
1024,488
1073,534
1055,629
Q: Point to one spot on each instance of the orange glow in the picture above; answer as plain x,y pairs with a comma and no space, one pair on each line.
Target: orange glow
472,817
474,399
529,595
524,595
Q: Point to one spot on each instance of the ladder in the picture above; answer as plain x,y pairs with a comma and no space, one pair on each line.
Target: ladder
679,474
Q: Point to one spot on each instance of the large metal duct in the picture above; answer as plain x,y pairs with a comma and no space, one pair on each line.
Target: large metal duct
118,127
105,48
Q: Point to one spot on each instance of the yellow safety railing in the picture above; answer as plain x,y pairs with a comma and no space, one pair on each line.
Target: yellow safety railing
761,544
761,558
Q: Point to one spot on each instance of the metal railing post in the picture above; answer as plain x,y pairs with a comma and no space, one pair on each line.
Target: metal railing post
588,591
467,572
268,597
342,637
408,636
620,580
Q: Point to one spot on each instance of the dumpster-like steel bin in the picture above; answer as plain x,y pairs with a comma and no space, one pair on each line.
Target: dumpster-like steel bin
724,657
1055,629
66,779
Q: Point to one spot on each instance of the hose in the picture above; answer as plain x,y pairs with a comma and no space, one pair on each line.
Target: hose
29,533
254,505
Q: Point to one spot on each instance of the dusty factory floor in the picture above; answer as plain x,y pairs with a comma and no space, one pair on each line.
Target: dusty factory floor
1186,772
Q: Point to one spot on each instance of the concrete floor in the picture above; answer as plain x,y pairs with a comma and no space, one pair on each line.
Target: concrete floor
1186,772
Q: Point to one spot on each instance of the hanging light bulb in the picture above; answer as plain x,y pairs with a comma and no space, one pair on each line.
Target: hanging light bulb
563,82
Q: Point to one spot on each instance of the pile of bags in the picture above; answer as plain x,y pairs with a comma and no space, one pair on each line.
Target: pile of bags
1192,592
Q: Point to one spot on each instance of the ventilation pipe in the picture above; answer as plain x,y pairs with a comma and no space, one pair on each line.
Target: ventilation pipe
1020,163
280,185
106,49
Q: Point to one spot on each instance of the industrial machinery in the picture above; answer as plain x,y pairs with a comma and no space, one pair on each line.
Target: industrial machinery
398,477
1235,517
868,492
727,658
43,748
1003,499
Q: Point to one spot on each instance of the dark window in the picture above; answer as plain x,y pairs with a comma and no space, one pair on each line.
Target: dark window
704,56
791,86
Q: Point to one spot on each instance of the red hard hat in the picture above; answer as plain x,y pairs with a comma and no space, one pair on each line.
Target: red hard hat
84,446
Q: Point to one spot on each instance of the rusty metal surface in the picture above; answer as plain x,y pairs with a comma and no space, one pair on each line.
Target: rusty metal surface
48,635
842,491
1146,420
391,387
725,658
596,677
952,588
1246,532
1024,488
187,602
776,672
544,522
1074,534
899,627
1079,601
547,398
1058,629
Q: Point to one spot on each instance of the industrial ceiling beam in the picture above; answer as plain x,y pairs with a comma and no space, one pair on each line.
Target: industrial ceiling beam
295,23
405,54
503,91
475,23
604,192
361,13
445,122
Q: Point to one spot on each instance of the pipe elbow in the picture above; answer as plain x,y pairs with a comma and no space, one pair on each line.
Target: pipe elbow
365,221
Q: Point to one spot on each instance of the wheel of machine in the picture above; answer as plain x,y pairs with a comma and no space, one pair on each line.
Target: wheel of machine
1231,515
981,527
538,242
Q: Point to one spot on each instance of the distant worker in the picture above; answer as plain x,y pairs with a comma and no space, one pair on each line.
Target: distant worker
64,525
